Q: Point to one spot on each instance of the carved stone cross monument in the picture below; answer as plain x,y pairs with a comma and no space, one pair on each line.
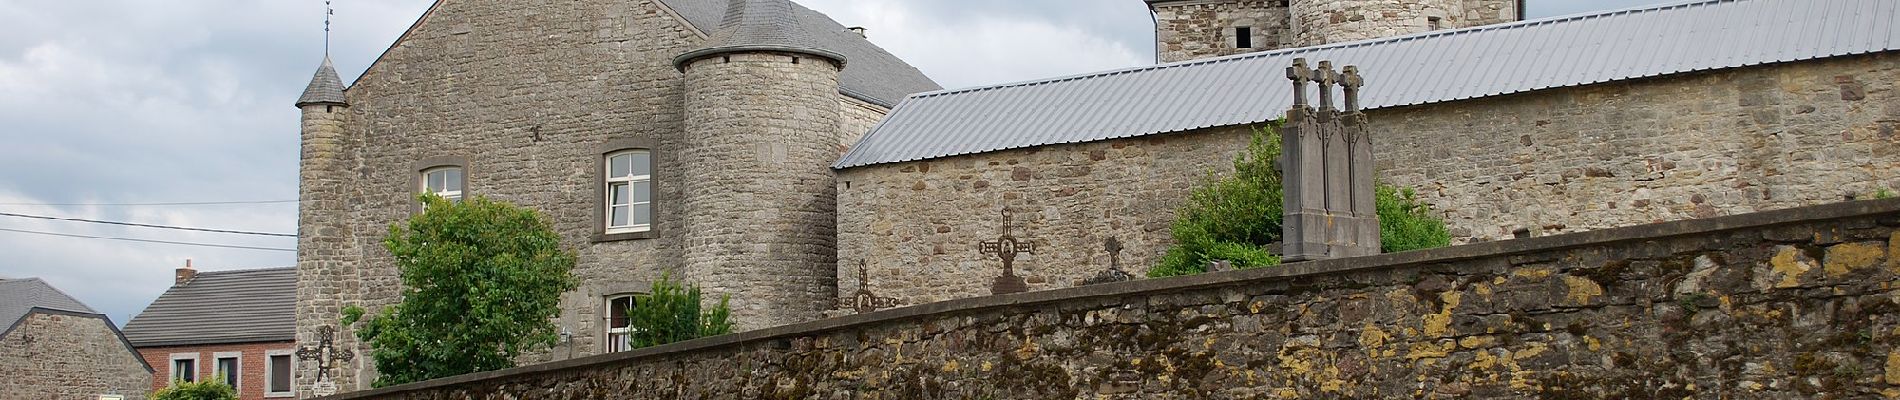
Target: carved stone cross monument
1006,248
326,355
864,301
1327,168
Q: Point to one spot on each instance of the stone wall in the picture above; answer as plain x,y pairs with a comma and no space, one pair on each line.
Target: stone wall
1560,160
525,97
1795,303
1187,30
253,364
61,355
1195,29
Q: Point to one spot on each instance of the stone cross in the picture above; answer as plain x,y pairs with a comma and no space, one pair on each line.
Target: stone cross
1327,169
325,354
1006,248
864,301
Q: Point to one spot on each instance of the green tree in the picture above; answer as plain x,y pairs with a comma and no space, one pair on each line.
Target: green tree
672,313
1232,218
208,390
482,282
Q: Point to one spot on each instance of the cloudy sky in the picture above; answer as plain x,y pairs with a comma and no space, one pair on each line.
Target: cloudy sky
107,107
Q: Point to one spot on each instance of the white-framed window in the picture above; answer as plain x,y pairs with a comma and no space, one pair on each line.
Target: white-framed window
619,326
278,373
443,181
629,191
184,367
228,368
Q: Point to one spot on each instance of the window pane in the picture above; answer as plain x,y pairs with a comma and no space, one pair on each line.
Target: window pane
642,163
617,313
432,181
617,194
228,371
619,217
183,370
280,373
617,166
642,191
642,214
453,179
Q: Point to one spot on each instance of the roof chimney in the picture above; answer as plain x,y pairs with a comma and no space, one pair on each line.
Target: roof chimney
184,274
857,29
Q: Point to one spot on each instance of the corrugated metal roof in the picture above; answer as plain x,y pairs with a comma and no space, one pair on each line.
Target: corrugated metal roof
258,305
1399,71
19,296
870,73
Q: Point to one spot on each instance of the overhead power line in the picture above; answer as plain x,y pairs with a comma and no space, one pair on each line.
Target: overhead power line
147,240
6,214
191,203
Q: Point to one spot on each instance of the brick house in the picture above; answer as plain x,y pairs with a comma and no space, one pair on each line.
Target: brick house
54,347
234,326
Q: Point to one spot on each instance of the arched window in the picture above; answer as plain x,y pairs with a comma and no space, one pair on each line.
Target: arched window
619,326
628,195
444,181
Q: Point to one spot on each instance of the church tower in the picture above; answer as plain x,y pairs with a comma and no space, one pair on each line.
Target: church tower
759,201
325,280
1195,29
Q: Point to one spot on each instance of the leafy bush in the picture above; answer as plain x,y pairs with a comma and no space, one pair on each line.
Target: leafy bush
482,281
672,313
208,390
1231,218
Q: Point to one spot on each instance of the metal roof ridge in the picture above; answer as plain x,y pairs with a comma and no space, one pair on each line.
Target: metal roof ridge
1328,46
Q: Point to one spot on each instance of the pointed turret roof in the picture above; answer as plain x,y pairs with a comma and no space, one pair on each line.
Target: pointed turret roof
761,25
325,87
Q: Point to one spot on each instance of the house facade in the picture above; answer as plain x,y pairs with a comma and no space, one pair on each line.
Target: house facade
55,347
235,327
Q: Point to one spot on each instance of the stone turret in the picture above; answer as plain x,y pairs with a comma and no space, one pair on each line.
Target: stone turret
759,201
1194,29
323,231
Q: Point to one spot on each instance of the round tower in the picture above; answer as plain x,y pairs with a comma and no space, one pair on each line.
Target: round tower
323,231
1317,22
759,203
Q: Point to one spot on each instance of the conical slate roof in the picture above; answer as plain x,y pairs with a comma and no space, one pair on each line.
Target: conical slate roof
760,25
325,87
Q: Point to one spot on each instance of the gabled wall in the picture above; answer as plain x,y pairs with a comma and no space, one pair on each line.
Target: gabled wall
61,355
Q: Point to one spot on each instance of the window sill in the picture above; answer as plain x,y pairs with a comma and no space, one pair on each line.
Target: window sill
280,395
615,237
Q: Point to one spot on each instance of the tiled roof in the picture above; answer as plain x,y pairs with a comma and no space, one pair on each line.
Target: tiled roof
870,73
18,297
325,87
258,305
1399,71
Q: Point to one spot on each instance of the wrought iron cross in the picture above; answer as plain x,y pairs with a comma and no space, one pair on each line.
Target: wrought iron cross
1114,248
1006,248
325,353
865,301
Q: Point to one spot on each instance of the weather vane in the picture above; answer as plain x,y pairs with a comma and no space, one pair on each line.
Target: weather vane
327,12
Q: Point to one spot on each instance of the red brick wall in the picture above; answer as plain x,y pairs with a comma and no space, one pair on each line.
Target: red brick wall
252,364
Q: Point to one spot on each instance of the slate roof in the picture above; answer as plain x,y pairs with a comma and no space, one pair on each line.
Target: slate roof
1399,71
18,297
870,73
324,88
258,305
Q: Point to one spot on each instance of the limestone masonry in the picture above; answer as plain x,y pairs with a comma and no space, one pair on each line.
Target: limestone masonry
1193,29
1796,303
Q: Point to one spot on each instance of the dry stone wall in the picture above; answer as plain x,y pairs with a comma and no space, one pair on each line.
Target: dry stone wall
1561,160
58,355
1796,303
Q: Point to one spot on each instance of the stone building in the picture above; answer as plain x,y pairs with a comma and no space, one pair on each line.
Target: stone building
719,119
1193,29
235,327
682,137
1577,123
54,347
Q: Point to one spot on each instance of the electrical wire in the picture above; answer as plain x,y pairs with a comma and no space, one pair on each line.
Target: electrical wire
194,203
146,240
6,214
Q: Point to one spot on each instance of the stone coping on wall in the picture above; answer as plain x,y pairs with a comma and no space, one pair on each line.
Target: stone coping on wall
768,337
